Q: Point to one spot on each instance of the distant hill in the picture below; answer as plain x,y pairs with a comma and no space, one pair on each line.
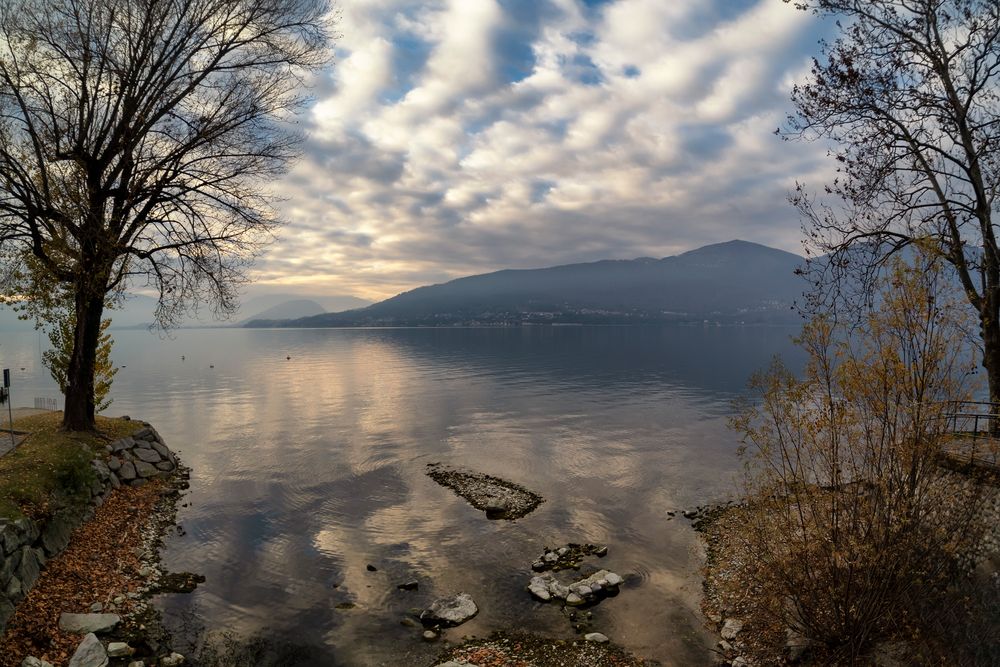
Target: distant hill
289,310
735,281
137,311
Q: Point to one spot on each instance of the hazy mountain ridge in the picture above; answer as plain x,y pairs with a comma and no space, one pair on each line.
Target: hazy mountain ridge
735,281
137,311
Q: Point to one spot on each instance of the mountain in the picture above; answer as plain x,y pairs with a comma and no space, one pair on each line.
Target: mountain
735,281
289,310
256,305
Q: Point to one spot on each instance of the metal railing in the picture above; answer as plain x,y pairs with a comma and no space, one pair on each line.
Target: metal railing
975,418
44,403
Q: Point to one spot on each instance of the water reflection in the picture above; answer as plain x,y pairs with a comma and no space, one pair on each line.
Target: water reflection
308,469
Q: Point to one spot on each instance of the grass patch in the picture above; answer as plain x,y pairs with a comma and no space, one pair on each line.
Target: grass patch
52,463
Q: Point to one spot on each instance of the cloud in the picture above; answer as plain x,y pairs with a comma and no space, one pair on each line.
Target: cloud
464,136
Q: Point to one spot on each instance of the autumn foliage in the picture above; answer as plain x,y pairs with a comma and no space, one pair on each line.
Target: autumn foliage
851,532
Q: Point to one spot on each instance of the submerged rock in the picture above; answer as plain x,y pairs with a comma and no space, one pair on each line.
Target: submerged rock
499,498
567,557
450,611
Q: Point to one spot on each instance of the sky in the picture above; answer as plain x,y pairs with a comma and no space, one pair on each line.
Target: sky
455,137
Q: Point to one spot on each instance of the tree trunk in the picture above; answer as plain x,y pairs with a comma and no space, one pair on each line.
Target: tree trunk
990,325
80,409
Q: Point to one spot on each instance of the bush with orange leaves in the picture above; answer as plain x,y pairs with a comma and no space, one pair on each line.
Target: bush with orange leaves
853,540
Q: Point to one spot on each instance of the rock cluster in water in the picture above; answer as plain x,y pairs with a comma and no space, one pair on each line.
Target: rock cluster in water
567,557
601,584
497,497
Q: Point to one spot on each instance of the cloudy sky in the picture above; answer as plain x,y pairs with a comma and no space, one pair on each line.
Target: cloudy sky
461,136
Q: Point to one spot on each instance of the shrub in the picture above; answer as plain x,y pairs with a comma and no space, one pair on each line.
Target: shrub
851,530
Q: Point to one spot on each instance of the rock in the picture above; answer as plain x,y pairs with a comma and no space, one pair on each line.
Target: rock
56,535
145,470
90,653
119,650
409,586
450,611
28,529
430,635
574,600
568,557
96,607
143,433
371,568
137,663
613,579
409,622
14,590
101,468
9,565
162,450
165,466
30,567
84,623
127,472
146,455
731,628
10,539
539,587
123,444
596,637
114,464
452,663
601,552
6,611
499,498
172,660
32,661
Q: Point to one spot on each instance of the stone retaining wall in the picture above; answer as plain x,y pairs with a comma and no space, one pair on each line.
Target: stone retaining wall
25,544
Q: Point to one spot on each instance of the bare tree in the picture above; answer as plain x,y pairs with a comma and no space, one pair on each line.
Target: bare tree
909,94
134,136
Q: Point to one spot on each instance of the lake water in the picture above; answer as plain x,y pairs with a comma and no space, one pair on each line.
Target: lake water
307,469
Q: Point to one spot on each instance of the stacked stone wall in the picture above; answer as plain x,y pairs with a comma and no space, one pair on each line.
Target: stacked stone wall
27,544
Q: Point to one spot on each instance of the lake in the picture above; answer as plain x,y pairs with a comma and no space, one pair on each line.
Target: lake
309,468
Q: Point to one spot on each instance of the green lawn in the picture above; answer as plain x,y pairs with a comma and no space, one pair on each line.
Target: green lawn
51,462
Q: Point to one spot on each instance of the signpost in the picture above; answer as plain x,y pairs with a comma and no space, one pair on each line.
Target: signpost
10,410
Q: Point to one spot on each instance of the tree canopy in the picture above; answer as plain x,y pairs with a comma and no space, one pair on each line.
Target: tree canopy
136,137
908,95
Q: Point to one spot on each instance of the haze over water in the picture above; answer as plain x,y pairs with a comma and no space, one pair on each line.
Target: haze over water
305,470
